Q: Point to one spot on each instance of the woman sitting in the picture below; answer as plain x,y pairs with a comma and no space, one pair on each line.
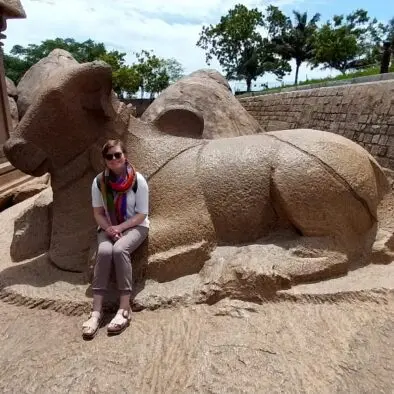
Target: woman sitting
120,199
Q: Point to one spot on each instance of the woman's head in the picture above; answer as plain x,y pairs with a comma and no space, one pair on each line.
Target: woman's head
113,153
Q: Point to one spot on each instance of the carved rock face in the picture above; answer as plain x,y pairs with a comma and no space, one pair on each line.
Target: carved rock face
200,105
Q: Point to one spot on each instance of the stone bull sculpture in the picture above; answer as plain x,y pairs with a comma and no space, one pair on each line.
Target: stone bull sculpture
203,193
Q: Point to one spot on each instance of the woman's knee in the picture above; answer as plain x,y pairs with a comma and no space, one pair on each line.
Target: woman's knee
104,251
118,250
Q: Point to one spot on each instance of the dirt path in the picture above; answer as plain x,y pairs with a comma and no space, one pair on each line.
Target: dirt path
230,347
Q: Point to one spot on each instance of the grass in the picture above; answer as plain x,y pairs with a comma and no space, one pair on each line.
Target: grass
362,73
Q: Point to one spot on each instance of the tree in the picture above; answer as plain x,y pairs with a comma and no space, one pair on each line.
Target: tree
390,31
153,72
335,47
174,69
86,51
347,42
150,72
126,81
292,40
22,58
14,67
239,47
255,62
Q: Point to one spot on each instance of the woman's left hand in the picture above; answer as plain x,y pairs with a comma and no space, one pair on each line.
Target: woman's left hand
118,229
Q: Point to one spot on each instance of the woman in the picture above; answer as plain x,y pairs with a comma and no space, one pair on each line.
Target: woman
120,199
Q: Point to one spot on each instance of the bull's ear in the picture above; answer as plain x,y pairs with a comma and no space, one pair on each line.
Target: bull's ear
180,122
95,88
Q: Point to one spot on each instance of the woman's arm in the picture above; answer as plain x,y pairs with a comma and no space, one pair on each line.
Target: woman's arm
102,222
101,218
132,222
141,205
99,212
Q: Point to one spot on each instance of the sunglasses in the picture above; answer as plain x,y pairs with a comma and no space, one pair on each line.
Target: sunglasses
111,156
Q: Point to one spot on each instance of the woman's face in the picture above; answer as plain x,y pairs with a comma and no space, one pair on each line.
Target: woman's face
115,159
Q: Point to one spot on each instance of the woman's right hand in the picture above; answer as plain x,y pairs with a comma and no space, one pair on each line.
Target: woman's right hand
112,232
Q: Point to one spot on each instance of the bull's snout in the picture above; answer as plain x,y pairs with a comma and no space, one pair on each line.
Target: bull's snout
26,156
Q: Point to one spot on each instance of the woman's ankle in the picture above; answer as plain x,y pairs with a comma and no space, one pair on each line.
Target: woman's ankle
96,314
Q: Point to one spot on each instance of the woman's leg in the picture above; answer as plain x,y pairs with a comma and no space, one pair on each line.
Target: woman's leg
102,270
122,250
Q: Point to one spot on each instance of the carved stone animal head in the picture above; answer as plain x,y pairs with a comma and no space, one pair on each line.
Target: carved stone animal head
72,111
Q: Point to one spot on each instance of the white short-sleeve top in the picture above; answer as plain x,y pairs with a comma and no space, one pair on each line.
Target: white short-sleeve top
137,202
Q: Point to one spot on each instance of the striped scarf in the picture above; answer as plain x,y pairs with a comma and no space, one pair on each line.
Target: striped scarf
114,192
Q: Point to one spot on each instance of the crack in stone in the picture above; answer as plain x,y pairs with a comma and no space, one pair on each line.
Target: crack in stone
335,174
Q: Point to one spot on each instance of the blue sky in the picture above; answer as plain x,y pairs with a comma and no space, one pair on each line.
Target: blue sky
170,28
381,9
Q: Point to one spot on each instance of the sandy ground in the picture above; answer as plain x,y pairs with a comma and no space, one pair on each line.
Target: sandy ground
230,347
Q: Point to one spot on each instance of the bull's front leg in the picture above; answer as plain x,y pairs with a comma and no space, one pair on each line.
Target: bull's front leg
73,226
181,235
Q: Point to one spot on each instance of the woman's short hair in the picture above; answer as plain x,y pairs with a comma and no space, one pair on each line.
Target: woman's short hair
111,144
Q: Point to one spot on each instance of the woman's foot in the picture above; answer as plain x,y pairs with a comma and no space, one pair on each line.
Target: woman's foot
90,326
120,322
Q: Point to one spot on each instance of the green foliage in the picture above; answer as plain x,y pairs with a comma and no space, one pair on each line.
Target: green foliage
390,31
348,42
239,46
153,72
86,51
150,73
14,67
174,69
22,58
126,80
292,40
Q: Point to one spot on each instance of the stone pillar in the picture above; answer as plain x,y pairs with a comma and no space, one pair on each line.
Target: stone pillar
384,66
9,9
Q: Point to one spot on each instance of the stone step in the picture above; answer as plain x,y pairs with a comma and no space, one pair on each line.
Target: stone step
13,178
3,159
6,167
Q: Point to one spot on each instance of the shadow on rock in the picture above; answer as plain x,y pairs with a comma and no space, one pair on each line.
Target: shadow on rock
38,272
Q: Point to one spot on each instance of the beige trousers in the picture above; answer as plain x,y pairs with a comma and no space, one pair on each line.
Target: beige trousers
119,254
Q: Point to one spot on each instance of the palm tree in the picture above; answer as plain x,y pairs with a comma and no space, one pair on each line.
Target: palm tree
296,40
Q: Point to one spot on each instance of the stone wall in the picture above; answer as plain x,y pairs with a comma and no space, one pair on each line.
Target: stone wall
361,112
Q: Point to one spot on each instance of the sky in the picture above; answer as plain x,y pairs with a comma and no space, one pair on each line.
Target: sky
170,28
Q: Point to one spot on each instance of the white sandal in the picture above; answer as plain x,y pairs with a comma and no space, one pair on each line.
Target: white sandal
120,322
91,326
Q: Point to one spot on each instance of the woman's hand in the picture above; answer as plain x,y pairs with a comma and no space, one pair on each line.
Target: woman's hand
113,231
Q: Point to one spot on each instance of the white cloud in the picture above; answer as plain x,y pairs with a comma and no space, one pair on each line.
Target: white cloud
170,29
